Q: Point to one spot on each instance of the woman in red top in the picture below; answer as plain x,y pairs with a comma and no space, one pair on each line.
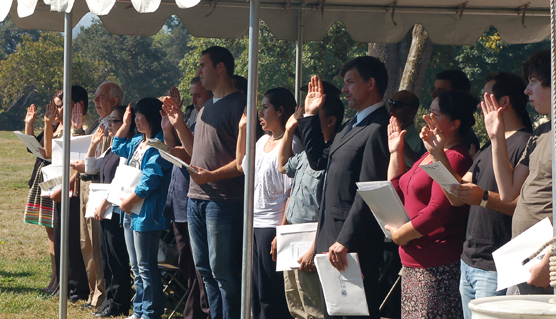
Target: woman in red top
431,242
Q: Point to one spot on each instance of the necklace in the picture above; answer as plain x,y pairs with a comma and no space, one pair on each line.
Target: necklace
278,137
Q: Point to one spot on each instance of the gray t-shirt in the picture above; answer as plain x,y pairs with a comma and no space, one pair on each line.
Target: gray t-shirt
214,146
535,200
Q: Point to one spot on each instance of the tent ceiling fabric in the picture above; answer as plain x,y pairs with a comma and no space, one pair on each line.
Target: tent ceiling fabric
366,20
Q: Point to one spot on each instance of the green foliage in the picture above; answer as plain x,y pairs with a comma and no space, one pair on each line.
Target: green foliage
10,37
139,64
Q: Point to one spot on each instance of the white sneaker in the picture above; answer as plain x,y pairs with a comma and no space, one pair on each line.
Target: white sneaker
132,317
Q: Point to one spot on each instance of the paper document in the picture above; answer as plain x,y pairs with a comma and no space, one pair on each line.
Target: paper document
292,242
508,258
176,161
158,144
79,146
123,185
32,144
385,204
440,174
344,294
48,187
51,171
97,193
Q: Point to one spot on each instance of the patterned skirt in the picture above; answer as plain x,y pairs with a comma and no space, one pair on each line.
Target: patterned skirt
431,292
39,210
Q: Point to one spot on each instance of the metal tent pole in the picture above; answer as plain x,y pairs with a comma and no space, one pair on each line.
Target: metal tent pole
66,172
252,76
552,110
299,57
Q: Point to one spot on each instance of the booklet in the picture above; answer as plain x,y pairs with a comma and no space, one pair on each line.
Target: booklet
97,193
163,149
32,144
440,174
292,242
385,204
123,185
508,258
344,293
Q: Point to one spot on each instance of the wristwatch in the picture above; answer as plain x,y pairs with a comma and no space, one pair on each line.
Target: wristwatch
484,201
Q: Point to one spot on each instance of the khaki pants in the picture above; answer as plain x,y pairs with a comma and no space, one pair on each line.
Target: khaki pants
303,294
90,248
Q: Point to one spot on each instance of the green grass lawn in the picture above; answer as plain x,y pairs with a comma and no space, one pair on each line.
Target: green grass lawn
24,258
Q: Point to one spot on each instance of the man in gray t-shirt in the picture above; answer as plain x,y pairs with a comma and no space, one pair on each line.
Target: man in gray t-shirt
215,206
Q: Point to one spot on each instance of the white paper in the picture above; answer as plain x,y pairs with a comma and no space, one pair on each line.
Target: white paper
158,144
176,161
344,293
508,258
440,174
32,144
48,187
288,234
385,204
97,193
123,185
298,250
79,146
51,171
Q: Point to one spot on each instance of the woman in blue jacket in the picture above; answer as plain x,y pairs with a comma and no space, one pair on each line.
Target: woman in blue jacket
143,230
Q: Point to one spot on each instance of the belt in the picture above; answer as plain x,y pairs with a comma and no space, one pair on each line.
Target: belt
92,178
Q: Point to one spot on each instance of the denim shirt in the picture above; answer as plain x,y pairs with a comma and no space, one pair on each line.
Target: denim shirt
306,191
153,186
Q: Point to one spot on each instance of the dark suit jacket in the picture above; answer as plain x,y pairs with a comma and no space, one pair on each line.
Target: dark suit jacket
360,155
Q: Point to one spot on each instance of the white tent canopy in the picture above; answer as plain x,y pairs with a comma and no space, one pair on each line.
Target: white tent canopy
447,21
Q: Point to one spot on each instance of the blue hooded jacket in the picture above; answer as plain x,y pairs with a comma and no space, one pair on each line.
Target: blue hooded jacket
153,186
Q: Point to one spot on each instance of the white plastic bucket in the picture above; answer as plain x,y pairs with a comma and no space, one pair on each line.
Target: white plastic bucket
514,307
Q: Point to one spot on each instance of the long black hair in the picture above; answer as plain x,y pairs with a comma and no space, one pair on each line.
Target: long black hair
150,108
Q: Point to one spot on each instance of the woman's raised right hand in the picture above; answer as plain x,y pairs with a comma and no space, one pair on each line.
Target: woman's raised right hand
50,113
31,114
127,115
395,136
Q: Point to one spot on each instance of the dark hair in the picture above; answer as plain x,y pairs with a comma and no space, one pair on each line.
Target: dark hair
196,80
458,106
241,83
59,94
368,67
121,110
221,55
78,94
538,65
512,86
333,106
150,108
282,97
458,80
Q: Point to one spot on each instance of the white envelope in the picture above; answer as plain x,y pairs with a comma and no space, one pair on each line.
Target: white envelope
508,258
344,293
79,146
290,242
98,192
31,142
123,185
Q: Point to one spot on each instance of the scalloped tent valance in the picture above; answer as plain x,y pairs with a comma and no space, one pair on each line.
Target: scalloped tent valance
447,21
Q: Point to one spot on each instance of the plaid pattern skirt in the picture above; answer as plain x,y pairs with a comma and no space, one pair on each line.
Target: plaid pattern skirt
431,292
39,210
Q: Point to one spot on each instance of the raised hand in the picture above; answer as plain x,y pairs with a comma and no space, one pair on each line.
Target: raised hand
97,137
126,121
243,121
173,111
30,116
175,94
492,112
165,122
315,96
50,114
395,136
77,117
432,137
291,124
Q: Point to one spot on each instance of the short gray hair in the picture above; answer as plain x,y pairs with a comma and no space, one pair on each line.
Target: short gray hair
115,91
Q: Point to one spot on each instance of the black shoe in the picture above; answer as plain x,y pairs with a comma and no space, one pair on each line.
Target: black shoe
87,306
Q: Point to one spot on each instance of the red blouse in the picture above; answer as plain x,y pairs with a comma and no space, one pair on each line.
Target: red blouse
432,215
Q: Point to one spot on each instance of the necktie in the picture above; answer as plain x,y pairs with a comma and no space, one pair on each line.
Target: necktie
351,124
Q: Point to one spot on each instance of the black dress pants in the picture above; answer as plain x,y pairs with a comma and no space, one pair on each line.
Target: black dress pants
196,305
115,264
78,284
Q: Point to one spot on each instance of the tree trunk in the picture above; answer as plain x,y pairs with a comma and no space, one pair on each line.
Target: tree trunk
417,61
394,56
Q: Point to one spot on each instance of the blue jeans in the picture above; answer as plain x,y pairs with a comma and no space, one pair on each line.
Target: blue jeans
476,283
216,232
142,248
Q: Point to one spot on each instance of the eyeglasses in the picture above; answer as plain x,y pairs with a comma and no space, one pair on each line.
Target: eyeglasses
111,122
397,104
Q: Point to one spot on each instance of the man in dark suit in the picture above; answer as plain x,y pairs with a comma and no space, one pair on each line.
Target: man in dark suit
359,152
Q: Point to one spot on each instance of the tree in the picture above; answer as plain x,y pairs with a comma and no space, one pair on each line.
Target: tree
11,36
139,64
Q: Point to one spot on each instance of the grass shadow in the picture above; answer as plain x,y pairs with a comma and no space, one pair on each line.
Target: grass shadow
8,274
